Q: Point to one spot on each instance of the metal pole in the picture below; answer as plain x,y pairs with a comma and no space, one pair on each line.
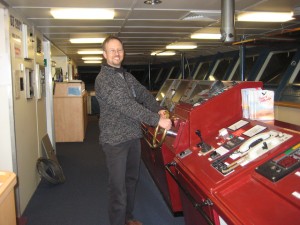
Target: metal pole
182,66
149,74
242,61
227,21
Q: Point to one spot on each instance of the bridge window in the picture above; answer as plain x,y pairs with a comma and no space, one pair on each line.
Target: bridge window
202,71
275,66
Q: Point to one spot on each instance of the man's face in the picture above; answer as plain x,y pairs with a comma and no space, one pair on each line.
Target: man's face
114,53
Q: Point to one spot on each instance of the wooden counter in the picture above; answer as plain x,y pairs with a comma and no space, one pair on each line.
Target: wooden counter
70,111
7,198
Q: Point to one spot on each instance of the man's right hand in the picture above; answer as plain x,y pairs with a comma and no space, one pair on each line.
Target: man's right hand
165,123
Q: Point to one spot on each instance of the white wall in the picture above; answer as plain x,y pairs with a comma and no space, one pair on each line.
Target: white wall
61,62
6,160
25,118
6,112
68,66
22,117
287,114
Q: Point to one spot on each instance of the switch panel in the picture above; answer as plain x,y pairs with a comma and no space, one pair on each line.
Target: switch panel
281,165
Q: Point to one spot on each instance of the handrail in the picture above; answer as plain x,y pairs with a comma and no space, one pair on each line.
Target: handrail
288,104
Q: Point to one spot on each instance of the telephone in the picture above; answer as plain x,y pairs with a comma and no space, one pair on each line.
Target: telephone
253,141
263,147
257,146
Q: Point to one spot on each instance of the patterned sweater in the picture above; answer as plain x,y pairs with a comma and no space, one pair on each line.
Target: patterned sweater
124,103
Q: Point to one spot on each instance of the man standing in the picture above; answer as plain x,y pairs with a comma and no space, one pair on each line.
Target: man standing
124,103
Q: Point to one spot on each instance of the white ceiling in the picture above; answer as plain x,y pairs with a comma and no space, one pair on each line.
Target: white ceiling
146,28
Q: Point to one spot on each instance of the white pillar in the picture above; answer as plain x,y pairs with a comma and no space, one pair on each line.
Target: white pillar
49,92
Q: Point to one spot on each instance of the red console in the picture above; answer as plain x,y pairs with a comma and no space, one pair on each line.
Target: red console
254,180
199,109
233,170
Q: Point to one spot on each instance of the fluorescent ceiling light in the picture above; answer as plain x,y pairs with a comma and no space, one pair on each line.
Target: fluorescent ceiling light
163,53
90,52
86,40
91,58
207,33
205,36
82,13
265,16
182,45
93,62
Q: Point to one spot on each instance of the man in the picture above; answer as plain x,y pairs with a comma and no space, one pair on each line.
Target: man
124,103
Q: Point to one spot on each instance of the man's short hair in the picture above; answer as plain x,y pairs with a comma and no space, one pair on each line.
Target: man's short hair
108,39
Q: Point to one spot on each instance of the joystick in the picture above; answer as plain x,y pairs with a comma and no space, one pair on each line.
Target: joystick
204,147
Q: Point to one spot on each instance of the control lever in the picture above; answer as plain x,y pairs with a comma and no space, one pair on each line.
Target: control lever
204,147
171,133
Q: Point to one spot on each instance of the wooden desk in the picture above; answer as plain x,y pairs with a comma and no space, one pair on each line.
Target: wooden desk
7,198
70,112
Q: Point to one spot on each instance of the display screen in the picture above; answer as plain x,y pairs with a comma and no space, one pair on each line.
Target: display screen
162,92
190,91
195,89
174,93
205,90
184,84
291,93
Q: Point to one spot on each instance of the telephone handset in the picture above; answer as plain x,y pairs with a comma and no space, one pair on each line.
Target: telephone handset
263,147
253,141
257,146
251,149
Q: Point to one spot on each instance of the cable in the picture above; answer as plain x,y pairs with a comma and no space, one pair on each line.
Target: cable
50,170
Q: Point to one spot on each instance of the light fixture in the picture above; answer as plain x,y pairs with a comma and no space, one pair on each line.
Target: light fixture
86,40
93,61
82,13
152,2
92,58
90,52
182,45
265,16
207,33
163,53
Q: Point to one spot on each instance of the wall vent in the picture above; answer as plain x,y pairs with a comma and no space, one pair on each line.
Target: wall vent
202,16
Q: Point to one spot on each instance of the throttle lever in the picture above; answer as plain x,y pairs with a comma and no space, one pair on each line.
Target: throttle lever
204,147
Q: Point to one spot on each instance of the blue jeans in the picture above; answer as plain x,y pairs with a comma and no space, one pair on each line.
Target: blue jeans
123,163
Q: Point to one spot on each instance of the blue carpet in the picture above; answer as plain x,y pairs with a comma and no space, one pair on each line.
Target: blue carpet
82,199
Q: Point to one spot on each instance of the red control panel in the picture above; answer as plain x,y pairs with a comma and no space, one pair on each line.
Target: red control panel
198,110
250,177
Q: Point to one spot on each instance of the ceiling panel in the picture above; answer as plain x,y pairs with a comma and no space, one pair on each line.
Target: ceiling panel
181,5
73,3
78,29
153,14
166,23
147,28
